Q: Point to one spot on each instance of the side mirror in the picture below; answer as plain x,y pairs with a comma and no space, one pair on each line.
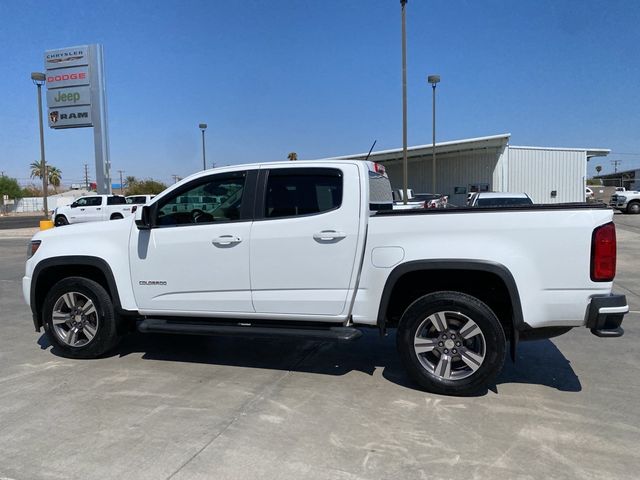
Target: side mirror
143,218
74,204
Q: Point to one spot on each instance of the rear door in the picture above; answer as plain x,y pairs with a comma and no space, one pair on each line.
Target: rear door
304,240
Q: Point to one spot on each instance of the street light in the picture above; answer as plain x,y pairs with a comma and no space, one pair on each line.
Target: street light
38,80
203,127
434,80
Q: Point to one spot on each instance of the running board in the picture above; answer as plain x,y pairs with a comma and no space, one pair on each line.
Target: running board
339,334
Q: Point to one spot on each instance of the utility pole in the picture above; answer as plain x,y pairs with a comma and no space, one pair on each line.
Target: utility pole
86,176
121,184
405,178
615,164
175,178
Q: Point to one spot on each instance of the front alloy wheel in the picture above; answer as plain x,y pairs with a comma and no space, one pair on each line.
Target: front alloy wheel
75,319
79,318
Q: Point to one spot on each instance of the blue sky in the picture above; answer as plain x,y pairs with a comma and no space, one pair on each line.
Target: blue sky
323,78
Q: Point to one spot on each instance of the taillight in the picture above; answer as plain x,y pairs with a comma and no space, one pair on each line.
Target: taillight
603,253
379,168
134,208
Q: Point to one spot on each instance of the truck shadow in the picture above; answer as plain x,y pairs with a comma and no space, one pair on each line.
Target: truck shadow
538,363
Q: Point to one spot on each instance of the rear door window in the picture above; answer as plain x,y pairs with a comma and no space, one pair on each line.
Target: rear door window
302,191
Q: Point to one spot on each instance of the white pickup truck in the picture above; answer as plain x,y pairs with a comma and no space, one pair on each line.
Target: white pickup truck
92,208
314,250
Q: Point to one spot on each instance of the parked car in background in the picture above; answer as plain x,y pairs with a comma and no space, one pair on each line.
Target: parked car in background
92,208
588,193
139,199
418,200
499,199
627,202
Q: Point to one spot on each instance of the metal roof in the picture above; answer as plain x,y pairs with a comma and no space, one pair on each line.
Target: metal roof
493,141
479,143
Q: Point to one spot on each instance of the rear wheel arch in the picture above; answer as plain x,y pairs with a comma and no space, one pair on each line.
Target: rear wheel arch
454,275
51,270
116,216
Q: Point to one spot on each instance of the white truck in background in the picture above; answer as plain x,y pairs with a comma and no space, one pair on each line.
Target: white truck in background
626,201
314,250
92,208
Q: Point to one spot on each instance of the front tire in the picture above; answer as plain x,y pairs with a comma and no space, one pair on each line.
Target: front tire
451,343
60,221
79,318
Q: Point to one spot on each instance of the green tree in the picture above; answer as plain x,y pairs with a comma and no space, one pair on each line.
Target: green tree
9,186
145,187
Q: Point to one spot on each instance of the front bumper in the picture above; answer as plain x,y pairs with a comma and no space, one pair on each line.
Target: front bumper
605,315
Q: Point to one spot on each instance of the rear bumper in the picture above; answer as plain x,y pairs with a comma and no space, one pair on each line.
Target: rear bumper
605,315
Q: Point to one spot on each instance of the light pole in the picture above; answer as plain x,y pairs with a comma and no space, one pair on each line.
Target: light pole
434,80
38,80
203,127
405,180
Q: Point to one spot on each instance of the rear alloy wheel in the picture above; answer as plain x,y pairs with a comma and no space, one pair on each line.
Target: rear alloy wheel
633,208
60,221
79,318
451,343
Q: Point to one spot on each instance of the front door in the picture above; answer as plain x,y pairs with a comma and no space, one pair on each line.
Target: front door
303,247
88,209
195,260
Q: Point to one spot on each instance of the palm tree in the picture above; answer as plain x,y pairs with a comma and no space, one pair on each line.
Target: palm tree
293,156
36,170
55,176
598,168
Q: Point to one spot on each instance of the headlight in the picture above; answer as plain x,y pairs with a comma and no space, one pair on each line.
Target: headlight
33,247
621,199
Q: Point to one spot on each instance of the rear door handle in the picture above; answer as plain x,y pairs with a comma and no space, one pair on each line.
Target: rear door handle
226,240
98,208
326,235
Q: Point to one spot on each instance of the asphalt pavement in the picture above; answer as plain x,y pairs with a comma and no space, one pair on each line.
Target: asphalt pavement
172,407
19,221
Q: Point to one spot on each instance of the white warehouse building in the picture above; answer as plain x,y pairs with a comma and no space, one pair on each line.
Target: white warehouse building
546,174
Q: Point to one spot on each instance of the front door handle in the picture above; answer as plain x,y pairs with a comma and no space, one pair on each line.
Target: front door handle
226,240
328,235
98,208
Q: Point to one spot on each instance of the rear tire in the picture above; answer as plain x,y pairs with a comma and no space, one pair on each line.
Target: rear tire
79,318
451,343
633,208
60,221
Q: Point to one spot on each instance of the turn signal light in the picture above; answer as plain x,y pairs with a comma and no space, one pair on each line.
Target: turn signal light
33,247
603,253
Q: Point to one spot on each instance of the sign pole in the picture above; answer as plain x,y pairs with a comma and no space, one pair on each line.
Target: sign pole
99,117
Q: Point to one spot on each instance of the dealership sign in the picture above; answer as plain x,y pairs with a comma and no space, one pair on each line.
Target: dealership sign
76,97
68,77
69,97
